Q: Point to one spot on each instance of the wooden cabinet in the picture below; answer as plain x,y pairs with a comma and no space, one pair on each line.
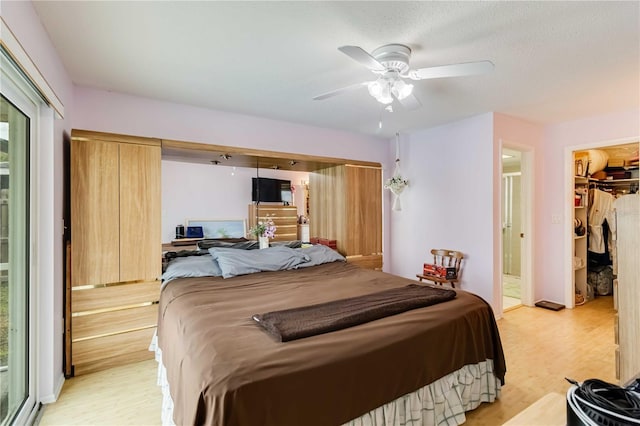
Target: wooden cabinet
346,206
115,249
285,218
628,321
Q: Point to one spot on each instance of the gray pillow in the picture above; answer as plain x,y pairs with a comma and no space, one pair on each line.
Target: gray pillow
319,254
241,245
291,244
191,266
234,262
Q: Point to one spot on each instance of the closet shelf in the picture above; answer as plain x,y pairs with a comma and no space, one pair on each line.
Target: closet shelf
613,181
579,207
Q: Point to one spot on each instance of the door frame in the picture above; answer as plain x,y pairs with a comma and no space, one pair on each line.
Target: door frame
506,175
13,90
527,191
569,290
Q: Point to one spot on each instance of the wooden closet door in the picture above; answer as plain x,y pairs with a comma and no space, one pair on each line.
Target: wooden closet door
364,213
95,218
140,250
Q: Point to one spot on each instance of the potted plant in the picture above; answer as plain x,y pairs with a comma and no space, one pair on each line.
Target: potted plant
396,185
263,231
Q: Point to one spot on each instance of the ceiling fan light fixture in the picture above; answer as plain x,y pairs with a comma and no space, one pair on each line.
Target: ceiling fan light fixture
382,89
390,63
401,89
385,94
375,88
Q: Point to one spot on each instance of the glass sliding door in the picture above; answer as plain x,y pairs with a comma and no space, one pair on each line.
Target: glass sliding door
16,381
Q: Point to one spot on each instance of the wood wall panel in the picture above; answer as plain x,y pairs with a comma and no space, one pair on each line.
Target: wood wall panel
364,215
97,354
92,299
94,213
628,249
112,361
116,254
94,325
370,262
140,207
90,135
346,206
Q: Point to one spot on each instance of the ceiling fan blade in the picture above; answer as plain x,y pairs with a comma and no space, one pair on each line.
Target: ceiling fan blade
455,70
339,91
358,54
410,102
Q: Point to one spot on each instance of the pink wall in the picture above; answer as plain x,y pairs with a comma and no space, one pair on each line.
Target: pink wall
590,130
120,113
523,136
449,201
23,21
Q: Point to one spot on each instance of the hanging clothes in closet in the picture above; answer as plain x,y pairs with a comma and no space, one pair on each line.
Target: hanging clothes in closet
601,209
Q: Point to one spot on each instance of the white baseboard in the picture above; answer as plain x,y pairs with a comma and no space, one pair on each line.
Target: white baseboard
49,399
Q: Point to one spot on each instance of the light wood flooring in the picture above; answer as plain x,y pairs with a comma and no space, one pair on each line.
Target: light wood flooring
541,347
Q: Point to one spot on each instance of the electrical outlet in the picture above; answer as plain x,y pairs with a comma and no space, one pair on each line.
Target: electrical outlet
556,219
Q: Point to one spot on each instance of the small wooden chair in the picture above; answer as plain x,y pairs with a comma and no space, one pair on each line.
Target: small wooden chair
448,259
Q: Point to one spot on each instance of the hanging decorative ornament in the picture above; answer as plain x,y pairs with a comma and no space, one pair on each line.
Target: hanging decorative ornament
396,184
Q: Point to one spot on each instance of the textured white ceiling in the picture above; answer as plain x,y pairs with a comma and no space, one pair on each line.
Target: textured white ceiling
554,61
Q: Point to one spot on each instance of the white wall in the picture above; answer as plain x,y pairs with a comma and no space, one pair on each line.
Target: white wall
23,21
204,191
449,201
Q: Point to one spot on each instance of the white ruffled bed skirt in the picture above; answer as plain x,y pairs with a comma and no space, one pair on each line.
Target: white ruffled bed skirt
442,402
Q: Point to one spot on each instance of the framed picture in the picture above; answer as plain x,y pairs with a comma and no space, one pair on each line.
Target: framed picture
221,228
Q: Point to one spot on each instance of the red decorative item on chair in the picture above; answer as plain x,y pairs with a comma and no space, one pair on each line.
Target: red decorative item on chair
439,271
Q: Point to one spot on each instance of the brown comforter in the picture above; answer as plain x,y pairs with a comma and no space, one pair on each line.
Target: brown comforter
224,370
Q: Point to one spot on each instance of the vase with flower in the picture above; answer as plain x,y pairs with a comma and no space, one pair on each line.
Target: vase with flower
263,231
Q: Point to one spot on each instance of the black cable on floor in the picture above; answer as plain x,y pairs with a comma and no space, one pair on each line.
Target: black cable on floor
607,404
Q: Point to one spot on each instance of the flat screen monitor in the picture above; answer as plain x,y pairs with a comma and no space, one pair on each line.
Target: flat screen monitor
271,190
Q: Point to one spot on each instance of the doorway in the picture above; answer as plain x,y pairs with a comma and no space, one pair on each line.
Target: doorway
512,229
587,267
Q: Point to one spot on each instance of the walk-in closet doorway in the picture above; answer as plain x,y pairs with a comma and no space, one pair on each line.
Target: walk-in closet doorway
581,180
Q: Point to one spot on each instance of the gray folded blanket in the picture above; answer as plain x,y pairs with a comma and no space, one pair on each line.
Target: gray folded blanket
305,321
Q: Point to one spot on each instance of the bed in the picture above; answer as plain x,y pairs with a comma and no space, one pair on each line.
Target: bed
218,367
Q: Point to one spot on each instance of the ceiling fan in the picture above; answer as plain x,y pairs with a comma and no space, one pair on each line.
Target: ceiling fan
391,63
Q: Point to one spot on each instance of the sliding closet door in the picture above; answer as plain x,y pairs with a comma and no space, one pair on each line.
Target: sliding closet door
95,213
140,205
